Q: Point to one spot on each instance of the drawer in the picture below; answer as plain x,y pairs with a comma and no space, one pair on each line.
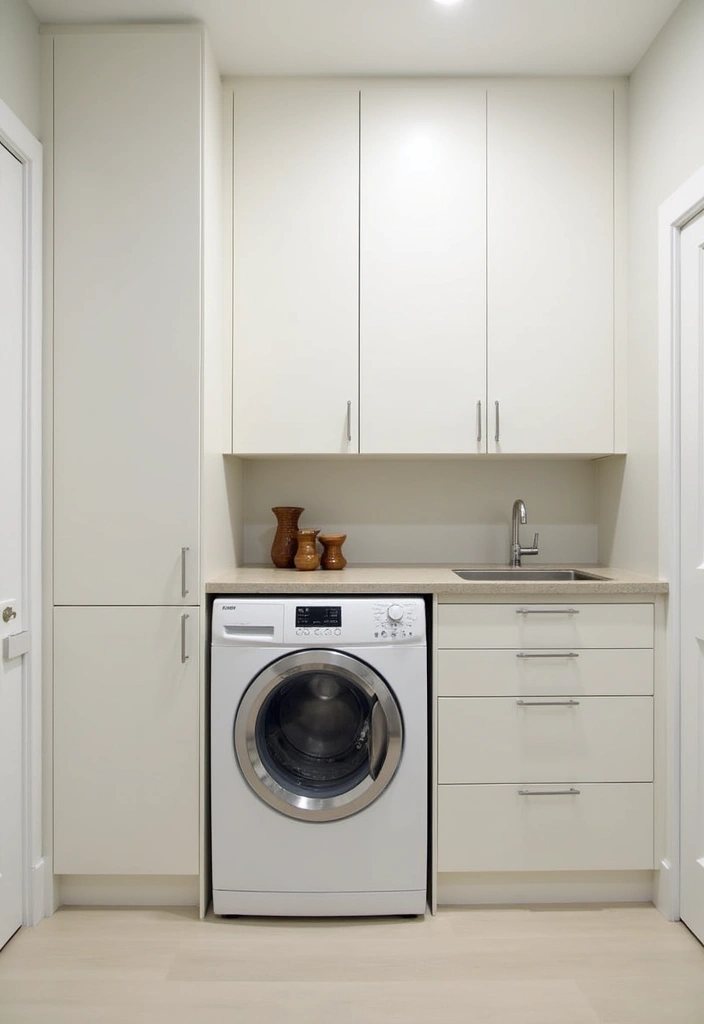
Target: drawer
495,739
494,828
545,625
480,673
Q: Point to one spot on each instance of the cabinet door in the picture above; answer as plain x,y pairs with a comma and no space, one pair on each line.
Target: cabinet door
125,741
126,316
296,182
551,267
422,269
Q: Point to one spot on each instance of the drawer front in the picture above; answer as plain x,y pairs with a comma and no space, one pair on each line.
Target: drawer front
479,673
493,828
497,740
531,626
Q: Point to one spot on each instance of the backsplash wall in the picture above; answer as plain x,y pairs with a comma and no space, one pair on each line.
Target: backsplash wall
427,510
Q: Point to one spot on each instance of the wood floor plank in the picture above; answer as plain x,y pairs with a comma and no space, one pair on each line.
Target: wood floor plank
583,965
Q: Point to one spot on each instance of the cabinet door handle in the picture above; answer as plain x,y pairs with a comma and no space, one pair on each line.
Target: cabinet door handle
184,656
547,611
549,792
479,421
184,587
349,422
497,435
555,654
547,703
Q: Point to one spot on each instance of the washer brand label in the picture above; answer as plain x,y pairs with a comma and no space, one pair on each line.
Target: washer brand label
229,607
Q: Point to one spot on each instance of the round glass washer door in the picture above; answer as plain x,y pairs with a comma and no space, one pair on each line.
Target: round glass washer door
318,735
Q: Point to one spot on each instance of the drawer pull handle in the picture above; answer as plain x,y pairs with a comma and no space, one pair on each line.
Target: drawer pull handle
557,654
547,611
547,703
549,792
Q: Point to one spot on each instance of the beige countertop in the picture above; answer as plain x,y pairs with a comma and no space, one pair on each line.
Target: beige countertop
422,579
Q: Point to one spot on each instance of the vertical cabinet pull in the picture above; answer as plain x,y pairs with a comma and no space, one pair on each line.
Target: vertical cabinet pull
184,587
184,656
349,422
497,435
479,421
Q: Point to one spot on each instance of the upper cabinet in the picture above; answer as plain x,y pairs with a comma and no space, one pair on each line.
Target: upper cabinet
296,235
127,316
422,268
550,217
425,267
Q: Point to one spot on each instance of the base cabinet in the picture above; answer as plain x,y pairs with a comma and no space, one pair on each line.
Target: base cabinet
126,741
514,828
545,737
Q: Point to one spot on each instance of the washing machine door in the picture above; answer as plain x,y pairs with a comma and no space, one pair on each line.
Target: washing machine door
318,735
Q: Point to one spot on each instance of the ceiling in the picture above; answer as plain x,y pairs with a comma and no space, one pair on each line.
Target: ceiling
396,37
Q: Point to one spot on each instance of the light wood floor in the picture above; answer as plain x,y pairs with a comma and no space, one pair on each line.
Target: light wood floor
509,966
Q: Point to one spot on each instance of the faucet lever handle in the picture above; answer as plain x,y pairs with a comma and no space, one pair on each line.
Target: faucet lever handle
535,541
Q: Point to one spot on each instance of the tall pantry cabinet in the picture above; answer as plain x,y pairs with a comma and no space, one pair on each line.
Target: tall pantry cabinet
136,231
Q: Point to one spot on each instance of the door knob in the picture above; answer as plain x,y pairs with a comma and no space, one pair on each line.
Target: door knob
8,613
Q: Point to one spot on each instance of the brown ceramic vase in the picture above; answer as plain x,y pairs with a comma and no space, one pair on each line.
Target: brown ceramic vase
307,556
283,550
332,550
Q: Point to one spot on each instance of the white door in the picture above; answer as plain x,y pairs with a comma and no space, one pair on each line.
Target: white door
12,538
422,269
692,569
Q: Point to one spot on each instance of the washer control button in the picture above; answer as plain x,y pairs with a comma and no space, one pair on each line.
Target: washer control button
394,612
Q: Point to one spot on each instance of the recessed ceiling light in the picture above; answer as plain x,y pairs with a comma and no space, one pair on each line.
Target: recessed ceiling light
448,3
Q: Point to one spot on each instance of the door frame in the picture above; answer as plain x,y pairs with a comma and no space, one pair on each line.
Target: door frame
673,215
23,145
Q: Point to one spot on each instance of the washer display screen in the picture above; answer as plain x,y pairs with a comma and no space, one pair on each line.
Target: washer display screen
318,616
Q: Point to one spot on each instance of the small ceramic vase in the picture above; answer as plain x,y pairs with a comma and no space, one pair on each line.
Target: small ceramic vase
283,550
307,556
332,550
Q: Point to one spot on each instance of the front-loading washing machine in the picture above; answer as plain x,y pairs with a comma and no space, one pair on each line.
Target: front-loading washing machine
318,755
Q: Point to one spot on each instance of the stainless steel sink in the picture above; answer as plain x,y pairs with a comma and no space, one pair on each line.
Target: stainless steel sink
528,575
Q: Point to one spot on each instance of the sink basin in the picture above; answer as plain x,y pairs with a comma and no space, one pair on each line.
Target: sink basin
529,575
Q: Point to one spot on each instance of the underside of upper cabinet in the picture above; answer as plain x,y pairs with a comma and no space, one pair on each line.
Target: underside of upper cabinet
427,267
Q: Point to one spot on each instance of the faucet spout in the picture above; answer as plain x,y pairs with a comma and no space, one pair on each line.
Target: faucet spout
519,517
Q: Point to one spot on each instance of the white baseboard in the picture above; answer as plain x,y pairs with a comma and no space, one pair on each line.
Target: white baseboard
37,909
666,895
129,890
546,887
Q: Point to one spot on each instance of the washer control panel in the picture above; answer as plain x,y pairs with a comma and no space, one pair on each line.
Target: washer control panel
397,621
316,621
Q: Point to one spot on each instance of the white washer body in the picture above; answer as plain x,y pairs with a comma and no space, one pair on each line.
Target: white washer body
373,861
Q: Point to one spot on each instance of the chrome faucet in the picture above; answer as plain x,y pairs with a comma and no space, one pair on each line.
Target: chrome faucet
520,516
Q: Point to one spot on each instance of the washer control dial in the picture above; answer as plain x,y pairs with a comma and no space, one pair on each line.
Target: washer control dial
394,613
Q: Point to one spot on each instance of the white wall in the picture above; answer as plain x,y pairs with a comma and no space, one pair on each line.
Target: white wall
433,510
666,146
19,62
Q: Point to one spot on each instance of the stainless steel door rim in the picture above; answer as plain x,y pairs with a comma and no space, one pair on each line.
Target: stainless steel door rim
386,749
